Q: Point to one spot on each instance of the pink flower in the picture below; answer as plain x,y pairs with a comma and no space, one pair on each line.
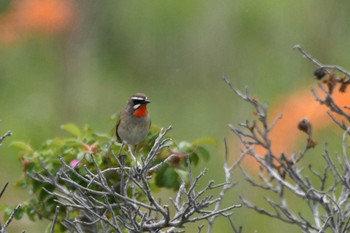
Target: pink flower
74,163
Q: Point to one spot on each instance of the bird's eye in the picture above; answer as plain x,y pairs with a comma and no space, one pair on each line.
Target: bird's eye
138,101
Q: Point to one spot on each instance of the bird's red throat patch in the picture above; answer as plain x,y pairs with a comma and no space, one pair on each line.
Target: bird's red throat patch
141,111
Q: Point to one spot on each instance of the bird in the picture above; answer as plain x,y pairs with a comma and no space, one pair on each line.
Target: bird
134,122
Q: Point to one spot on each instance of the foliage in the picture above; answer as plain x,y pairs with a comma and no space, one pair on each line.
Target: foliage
63,164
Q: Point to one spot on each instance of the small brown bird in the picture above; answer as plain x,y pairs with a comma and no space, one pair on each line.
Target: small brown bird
134,121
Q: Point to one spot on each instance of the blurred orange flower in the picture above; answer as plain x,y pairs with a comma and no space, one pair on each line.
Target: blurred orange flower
299,105
295,107
45,16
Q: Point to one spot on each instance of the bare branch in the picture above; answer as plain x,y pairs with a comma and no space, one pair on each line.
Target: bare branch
327,197
319,64
55,219
134,207
3,189
7,134
8,221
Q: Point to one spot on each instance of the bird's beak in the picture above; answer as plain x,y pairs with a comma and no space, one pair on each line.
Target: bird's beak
147,101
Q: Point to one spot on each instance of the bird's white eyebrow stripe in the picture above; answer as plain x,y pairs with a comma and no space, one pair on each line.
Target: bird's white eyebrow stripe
138,98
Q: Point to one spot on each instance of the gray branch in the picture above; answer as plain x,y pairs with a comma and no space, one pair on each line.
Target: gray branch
325,192
134,208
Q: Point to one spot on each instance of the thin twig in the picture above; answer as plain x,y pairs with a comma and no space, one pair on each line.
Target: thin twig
3,189
7,134
8,221
55,219
319,64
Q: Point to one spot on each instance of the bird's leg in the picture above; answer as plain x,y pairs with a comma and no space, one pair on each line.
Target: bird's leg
133,154
121,157
121,148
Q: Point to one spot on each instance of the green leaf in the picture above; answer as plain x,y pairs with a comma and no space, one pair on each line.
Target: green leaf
57,142
83,171
167,177
194,159
185,146
68,151
7,212
50,206
47,153
48,228
31,166
101,135
31,213
23,184
72,142
36,186
87,157
98,159
87,131
72,128
44,193
19,213
81,155
22,146
183,175
203,153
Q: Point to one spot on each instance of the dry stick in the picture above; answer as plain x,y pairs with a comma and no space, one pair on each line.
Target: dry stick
319,64
329,204
4,188
308,56
2,192
159,144
344,147
55,219
3,230
260,138
7,134
135,215
228,185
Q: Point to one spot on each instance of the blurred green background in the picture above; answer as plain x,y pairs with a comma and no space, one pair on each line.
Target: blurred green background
174,51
